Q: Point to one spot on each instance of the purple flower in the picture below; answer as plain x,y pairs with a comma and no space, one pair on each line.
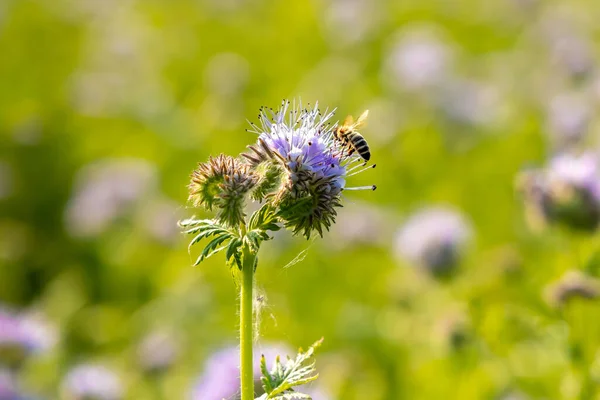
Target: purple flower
8,387
568,118
418,59
157,352
470,102
105,191
21,336
313,165
221,377
92,382
566,192
433,239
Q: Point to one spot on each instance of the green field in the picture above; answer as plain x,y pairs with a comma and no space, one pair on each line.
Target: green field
107,106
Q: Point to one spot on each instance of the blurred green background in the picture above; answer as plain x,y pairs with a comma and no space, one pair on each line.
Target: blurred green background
106,106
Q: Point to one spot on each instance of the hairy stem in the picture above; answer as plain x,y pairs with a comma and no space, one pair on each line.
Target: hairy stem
246,325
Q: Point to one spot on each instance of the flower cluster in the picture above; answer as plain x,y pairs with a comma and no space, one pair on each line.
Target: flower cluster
296,166
566,192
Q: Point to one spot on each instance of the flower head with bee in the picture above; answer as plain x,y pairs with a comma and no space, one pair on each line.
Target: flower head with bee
297,171
308,163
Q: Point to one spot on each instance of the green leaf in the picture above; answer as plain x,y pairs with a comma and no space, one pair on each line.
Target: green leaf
233,253
207,228
265,219
279,383
266,378
212,247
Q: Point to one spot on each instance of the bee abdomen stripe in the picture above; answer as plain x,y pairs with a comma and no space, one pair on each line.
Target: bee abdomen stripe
360,143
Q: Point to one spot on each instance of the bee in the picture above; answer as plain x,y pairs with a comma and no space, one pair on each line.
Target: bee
352,140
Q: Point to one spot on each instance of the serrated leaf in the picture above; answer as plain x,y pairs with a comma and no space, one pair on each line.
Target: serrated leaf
282,378
233,252
266,378
212,248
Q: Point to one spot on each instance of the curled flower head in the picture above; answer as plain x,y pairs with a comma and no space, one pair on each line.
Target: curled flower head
566,192
433,239
92,382
223,183
299,144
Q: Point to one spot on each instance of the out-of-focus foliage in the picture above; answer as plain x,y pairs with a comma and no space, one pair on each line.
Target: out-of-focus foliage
106,106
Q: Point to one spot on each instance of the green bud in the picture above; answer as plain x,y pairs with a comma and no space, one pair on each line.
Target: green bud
222,183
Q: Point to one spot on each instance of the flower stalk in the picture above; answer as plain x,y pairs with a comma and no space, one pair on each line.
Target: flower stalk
247,324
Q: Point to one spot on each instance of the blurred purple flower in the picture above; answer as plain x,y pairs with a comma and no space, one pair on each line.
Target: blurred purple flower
571,52
568,118
362,15
92,382
160,220
469,102
157,352
105,191
417,59
21,336
221,377
8,387
567,192
433,239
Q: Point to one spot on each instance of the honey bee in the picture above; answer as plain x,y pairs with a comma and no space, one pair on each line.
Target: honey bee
352,140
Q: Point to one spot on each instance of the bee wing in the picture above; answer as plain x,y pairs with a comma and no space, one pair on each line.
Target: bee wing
348,121
362,119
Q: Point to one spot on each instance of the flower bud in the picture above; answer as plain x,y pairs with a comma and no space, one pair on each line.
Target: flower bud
223,183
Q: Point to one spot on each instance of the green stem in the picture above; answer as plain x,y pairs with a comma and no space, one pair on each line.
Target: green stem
246,325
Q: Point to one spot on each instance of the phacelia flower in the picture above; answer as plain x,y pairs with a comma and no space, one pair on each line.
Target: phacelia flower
418,59
566,192
106,191
313,166
433,239
157,352
221,377
20,337
92,382
223,183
